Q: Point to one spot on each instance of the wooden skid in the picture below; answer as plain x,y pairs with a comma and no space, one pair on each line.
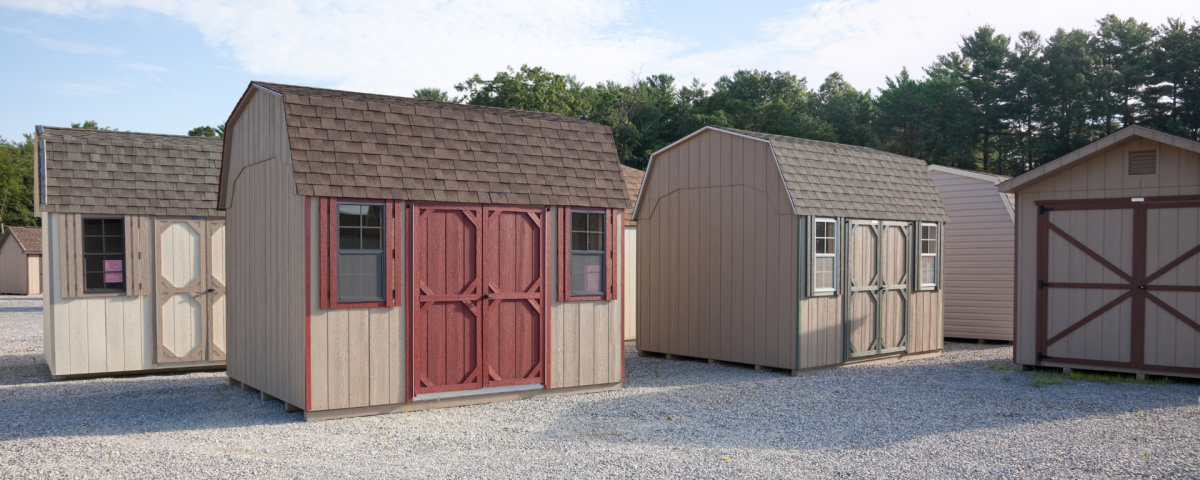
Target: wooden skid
893,358
204,367
453,402
1140,373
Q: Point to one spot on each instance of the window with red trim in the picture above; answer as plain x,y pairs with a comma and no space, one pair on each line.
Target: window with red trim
358,248
587,249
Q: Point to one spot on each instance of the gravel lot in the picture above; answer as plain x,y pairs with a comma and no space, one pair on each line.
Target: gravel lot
960,415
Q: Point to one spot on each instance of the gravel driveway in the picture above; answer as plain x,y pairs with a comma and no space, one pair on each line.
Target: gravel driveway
964,414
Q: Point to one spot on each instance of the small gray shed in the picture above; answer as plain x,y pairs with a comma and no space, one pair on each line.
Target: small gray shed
787,253
21,261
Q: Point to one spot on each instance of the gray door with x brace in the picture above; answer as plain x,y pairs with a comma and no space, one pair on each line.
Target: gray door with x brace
877,299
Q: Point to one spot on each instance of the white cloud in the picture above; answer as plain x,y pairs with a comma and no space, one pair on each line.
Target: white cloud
144,67
65,46
868,41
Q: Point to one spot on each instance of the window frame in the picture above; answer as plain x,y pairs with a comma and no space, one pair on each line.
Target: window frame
124,254
329,251
918,277
610,274
813,291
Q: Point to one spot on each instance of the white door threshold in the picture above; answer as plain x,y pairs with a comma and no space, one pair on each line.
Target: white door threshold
479,391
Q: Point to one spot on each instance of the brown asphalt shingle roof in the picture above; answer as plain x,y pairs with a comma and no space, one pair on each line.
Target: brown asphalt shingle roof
633,184
363,145
126,173
831,179
30,238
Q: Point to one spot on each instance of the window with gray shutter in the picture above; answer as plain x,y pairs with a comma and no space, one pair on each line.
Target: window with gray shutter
1143,162
360,275
104,255
927,269
824,256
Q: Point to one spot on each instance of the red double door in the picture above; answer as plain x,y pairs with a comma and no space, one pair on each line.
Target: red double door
478,279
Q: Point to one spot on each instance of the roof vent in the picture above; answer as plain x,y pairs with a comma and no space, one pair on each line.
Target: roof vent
1143,162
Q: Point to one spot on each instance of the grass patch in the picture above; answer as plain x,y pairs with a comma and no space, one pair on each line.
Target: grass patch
1112,377
1000,366
1045,379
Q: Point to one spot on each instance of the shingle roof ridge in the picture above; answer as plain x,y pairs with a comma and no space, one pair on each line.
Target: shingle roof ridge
821,143
67,131
32,234
329,92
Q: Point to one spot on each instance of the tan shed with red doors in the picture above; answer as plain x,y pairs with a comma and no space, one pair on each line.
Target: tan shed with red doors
21,261
391,254
787,253
1107,264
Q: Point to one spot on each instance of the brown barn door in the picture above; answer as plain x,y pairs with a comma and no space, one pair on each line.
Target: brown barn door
1118,283
514,295
182,290
877,302
447,266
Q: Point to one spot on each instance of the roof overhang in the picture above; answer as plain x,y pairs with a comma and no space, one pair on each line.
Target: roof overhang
1119,137
967,173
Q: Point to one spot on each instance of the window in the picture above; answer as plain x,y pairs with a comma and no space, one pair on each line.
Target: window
587,253
929,255
104,255
360,252
824,278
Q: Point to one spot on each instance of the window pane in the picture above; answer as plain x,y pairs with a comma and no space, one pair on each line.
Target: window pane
93,281
374,214
92,227
360,277
823,273
371,239
93,244
348,239
928,270
595,242
114,245
596,222
928,246
587,274
819,230
93,263
113,227
821,246
578,241
579,221
349,215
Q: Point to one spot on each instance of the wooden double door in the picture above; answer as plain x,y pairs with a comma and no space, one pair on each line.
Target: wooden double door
877,304
1119,283
479,285
189,259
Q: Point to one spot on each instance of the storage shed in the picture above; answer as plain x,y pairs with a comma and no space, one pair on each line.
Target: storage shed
1107,270
21,261
391,254
787,253
979,254
633,183
135,251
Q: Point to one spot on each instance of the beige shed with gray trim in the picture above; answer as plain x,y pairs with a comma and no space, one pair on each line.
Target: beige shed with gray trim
134,251
787,253
1108,257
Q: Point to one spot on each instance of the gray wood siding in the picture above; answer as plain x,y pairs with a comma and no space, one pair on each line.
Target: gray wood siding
926,322
1101,176
586,344
717,270
15,278
264,240
358,356
821,331
1169,342
978,259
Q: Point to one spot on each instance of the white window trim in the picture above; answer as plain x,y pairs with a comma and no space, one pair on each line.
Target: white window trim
833,223
921,248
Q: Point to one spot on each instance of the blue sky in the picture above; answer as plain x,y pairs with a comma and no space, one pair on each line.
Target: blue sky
166,66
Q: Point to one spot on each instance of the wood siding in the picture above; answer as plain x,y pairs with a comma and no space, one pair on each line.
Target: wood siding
264,238
978,259
630,287
16,273
586,346
1101,176
356,354
926,322
717,270
1169,342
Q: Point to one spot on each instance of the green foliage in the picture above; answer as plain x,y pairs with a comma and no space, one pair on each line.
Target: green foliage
92,125
207,131
535,89
435,94
16,183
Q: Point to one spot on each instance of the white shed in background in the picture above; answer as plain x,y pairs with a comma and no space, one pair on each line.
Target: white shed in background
979,254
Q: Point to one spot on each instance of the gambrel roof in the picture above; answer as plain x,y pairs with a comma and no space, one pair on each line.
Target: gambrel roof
28,238
129,173
633,183
348,144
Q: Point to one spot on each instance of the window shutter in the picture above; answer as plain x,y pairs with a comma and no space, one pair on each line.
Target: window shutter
807,254
129,270
562,226
323,252
142,275
389,254
610,254
941,257
70,254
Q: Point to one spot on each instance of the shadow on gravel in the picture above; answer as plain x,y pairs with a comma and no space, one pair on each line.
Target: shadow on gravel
20,309
132,405
23,369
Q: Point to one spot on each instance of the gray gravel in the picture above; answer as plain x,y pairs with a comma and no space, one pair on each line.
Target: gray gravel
960,415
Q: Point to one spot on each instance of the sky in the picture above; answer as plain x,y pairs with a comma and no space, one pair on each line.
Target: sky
165,66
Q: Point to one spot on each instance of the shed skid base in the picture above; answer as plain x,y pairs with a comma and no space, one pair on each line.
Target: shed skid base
155,371
311,416
888,358
1067,368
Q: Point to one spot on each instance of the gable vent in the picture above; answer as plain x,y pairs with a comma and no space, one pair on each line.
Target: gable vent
1143,162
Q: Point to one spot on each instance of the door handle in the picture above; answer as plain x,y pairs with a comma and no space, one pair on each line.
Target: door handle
488,296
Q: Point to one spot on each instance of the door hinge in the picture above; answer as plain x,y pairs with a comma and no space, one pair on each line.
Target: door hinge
1042,284
1043,209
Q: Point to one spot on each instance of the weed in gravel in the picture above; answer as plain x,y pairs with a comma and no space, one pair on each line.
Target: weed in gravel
669,418
1042,379
1109,378
997,366
724,458
1007,378
656,375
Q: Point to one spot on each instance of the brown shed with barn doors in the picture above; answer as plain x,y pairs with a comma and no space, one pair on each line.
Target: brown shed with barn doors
787,253
391,254
1108,275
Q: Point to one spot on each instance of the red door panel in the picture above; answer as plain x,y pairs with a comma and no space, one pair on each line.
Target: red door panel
514,295
447,326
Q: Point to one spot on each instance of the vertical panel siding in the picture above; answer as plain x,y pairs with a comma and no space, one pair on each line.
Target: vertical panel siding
719,280
585,337
630,278
978,258
926,322
15,270
1101,176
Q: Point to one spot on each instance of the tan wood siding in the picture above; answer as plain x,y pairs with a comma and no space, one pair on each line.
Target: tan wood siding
1170,342
718,276
357,354
264,238
16,271
978,257
1101,176
586,346
630,287
926,322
